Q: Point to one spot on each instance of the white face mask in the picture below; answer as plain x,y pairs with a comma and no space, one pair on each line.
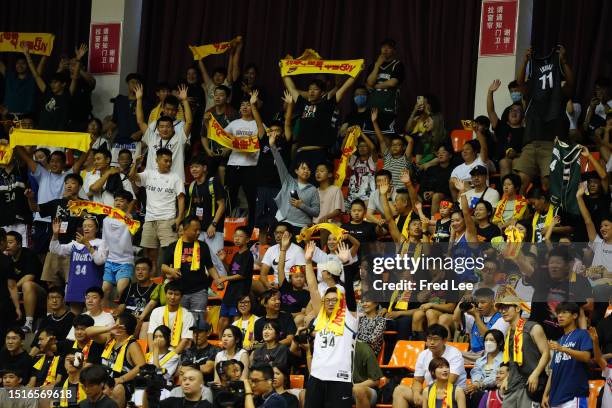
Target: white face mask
490,346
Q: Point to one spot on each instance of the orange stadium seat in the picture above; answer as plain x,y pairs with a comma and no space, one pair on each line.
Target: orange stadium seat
405,354
584,162
296,381
459,137
143,345
595,387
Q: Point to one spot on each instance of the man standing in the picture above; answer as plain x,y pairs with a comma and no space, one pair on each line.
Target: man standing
527,353
15,215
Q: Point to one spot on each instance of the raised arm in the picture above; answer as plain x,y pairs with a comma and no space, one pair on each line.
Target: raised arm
345,86
205,76
288,115
233,72
42,86
283,173
133,175
586,215
186,109
140,118
261,131
484,147
393,230
491,103
75,73
601,171
371,79
377,131
79,54
311,278
521,74
470,226
76,167
290,85
26,158
284,246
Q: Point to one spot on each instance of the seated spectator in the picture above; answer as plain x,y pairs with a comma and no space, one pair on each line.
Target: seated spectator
298,201
87,257
488,277
383,177
231,341
436,348
92,351
512,206
330,253
442,385
93,379
28,269
93,307
544,220
281,385
73,371
473,153
201,354
294,296
434,180
239,278
293,256
15,215
246,321
426,109
192,390
174,316
59,318
271,300
599,242
485,372
47,370
480,190
137,296
508,132
485,229
164,193
598,199
13,380
14,357
161,356
330,276
494,398
259,388
362,168
396,157
442,226
271,351
366,374
122,356
371,327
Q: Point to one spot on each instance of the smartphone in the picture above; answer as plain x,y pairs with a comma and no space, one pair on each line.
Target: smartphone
420,99
294,195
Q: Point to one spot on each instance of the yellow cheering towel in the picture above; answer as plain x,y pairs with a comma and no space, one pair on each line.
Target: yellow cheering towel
177,327
6,154
51,372
550,214
31,137
80,396
433,395
349,148
333,229
517,349
202,51
310,62
335,322
195,256
216,132
78,206
520,205
108,350
37,43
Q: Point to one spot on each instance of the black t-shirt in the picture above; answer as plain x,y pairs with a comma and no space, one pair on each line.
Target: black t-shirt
191,281
436,179
6,272
364,232
508,137
604,330
598,207
293,301
242,264
361,119
58,208
136,297
200,201
13,203
124,115
198,356
316,122
386,99
61,326
21,362
284,321
94,353
267,174
54,110
442,231
104,402
180,402
41,374
487,233
27,263
80,104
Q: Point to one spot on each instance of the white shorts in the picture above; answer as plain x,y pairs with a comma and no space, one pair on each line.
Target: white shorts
24,230
578,402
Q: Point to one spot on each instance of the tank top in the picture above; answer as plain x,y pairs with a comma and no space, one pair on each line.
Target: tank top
108,363
84,273
440,402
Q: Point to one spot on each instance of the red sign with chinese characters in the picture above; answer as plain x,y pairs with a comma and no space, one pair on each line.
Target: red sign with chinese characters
498,27
104,46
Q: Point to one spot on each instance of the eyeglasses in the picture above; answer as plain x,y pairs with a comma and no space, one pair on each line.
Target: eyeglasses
257,380
331,301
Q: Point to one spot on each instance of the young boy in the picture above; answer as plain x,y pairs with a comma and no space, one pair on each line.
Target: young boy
165,191
359,228
396,157
119,266
331,202
101,184
239,278
162,92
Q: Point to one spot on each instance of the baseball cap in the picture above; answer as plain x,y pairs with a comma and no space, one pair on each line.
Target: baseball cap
479,171
333,267
201,325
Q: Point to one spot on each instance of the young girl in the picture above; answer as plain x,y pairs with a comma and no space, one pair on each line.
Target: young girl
443,224
331,202
161,356
442,393
246,321
231,341
512,206
271,351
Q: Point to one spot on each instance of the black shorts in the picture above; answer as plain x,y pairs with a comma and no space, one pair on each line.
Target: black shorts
328,394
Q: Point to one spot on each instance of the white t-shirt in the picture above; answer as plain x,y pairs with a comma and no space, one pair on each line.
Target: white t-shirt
50,187
242,128
162,191
104,319
462,171
332,355
176,144
491,195
607,394
500,324
603,253
118,240
170,366
294,256
157,319
210,93
104,197
454,358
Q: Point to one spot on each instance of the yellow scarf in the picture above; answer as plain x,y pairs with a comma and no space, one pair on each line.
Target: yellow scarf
517,346
195,258
217,133
404,299
310,62
38,43
547,221
164,360
433,395
52,372
118,366
31,137
250,330
406,226
177,327
520,205
349,148
79,397
85,349
201,51
334,323
335,230
91,207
